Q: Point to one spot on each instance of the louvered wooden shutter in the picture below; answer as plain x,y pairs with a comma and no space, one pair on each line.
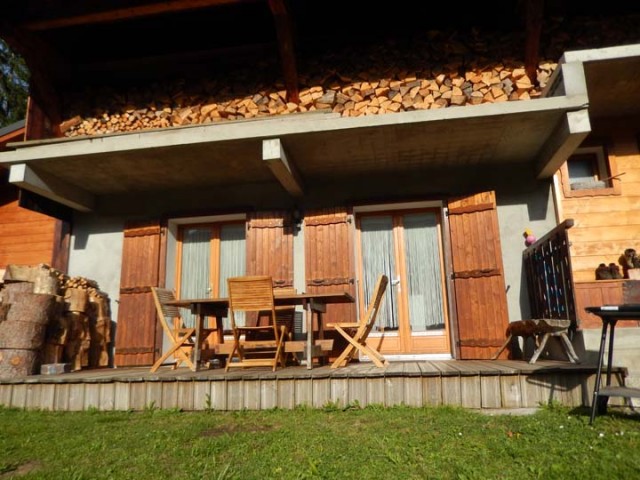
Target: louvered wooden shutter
329,258
481,299
270,249
138,338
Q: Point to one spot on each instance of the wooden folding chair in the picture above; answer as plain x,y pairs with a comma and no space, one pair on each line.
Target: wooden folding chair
260,344
356,333
182,338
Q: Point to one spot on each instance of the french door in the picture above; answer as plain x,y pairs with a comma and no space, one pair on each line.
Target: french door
208,254
407,247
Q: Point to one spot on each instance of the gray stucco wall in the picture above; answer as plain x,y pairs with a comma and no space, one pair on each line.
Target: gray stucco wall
516,212
96,245
96,253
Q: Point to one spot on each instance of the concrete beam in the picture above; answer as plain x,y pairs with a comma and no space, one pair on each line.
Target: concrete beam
284,170
561,144
49,186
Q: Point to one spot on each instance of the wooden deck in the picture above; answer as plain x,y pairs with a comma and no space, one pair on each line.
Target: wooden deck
507,384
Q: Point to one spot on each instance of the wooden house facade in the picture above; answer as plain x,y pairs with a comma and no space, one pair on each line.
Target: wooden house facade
322,160
28,236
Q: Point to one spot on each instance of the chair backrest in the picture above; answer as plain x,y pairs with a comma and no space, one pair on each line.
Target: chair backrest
164,311
250,293
286,316
368,320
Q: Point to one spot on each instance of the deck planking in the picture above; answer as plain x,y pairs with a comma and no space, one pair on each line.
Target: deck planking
475,384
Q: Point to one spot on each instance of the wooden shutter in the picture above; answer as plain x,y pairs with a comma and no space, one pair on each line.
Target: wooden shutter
328,240
270,247
478,276
138,338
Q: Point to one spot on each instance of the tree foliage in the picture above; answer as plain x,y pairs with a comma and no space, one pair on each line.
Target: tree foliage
14,86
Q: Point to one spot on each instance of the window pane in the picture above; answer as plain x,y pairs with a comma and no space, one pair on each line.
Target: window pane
588,169
582,169
423,272
194,276
232,260
378,258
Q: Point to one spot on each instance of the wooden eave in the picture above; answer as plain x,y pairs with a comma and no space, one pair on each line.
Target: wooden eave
16,135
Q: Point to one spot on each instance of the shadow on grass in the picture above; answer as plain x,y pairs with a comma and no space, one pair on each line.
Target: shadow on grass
620,412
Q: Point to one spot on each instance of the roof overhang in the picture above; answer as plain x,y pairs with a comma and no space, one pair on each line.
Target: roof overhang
611,76
536,136
12,133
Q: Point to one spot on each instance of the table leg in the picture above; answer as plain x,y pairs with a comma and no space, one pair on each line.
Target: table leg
322,358
612,330
596,388
309,322
196,347
220,338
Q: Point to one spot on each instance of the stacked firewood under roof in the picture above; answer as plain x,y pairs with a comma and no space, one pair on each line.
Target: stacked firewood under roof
438,70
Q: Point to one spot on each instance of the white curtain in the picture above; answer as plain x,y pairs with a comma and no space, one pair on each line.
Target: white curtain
195,275
423,272
233,260
378,258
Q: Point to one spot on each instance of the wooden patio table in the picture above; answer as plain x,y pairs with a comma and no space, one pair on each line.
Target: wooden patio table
219,308
610,315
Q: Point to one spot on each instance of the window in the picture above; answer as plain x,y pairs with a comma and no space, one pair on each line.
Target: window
589,171
207,255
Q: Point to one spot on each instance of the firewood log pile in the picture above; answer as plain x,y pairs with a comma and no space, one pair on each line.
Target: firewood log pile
439,70
338,92
78,331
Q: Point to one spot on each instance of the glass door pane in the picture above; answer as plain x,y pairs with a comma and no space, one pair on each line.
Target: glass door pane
425,297
232,261
376,233
195,266
406,246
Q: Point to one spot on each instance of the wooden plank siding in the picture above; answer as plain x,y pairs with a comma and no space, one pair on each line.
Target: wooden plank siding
604,292
138,337
504,384
481,301
26,237
606,225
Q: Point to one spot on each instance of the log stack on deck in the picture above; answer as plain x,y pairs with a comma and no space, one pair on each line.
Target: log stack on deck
49,319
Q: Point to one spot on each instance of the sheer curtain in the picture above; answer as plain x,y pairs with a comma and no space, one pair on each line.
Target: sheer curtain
423,272
378,258
195,274
233,259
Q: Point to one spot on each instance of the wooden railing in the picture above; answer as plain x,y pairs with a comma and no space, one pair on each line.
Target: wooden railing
547,264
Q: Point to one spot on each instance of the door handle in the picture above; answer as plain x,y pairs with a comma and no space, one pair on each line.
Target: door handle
395,281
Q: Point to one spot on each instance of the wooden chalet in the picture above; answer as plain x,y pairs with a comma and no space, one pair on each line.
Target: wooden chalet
178,143
29,236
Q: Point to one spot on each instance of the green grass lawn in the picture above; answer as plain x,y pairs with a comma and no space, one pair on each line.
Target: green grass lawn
329,443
